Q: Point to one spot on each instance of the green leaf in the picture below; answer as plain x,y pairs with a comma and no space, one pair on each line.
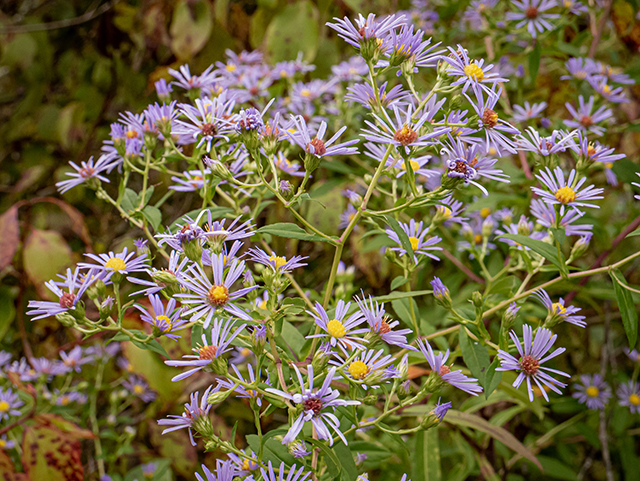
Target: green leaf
44,255
634,233
292,337
475,356
190,28
344,455
129,200
50,454
480,424
294,29
290,231
627,307
558,234
545,250
398,282
402,235
427,452
401,295
492,378
153,216
534,63
333,463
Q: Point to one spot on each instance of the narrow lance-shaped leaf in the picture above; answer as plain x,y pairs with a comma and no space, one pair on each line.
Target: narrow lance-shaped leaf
627,307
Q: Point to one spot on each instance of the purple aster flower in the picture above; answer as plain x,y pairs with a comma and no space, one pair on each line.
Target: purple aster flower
566,193
466,163
545,214
87,171
242,391
341,332
592,391
244,464
368,368
529,111
5,357
193,180
207,297
208,354
121,263
277,263
611,73
440,410
69,294
596,152
317,146
365,29
575,8
532,356
298,449
165,319
419,244
440,291
216,229
75,358
251,118
455,378
586,121
449,211
288,167
402,130
381,325
350,70
187,81
139,387
49,367
614,95
270,474
347,216
637,185
363,94
194,411
633,355
470,73
206,122
313,404
225,471
494,127
6,443
579,68
69,397
9,402
558,311
629,395
523,227
416,164
162,278
558,141
163,89
533,15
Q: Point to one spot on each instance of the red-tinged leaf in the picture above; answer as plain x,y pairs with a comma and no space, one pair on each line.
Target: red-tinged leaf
505,437
10,237
415,371
56,422
51,454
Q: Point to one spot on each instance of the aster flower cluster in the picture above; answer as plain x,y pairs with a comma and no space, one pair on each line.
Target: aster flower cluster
280,168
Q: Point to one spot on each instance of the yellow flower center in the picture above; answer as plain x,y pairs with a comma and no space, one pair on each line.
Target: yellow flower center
138,389
246,465
592,391
64,400
131,134
568,3
231,68
606,89
565,195
305,93
414,165
414,242
336,329
358,369
4,406
283,73
278,260
634,399
477,239
218,295
116,264
556,308
3,443
485,212
444,211
473,71
167,321
263,305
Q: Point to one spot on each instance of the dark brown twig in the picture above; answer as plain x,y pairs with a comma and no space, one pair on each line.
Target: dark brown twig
462,267
603,22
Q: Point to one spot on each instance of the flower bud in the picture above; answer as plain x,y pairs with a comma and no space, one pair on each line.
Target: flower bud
476,299
580,247
441,293
67,320
404,389
320,359
370,400
286,189
193,250
106,307
217,397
